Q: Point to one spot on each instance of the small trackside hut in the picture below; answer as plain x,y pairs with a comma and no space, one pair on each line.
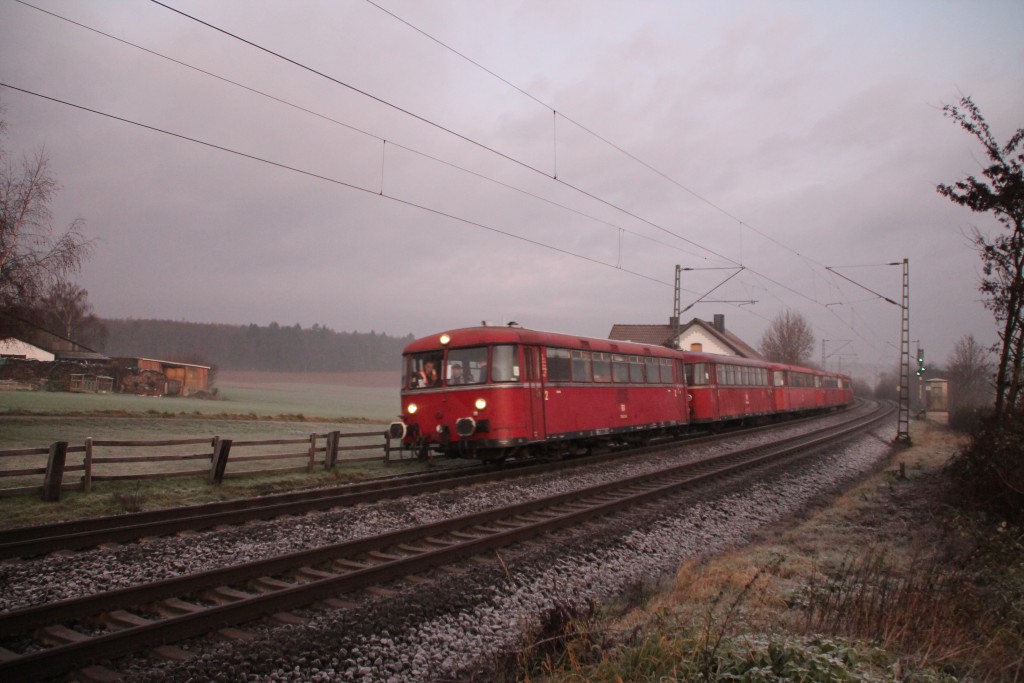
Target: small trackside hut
502,392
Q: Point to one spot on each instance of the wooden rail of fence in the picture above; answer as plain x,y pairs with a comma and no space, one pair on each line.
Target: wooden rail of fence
318,449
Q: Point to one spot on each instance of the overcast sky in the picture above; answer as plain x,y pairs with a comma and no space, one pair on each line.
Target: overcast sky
431,184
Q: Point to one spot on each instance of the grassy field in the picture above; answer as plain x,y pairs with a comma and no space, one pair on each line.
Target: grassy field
248,406
337,396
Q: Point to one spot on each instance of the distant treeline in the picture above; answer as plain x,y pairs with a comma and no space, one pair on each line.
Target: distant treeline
254,347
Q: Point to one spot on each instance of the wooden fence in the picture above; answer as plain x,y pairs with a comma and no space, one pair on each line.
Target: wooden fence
96,463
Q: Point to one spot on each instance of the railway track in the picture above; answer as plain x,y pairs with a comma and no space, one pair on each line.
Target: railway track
133,619
87,533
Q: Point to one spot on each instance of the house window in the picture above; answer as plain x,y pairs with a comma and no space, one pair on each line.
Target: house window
696,346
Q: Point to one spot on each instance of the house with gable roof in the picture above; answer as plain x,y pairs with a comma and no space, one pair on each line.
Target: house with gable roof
696,335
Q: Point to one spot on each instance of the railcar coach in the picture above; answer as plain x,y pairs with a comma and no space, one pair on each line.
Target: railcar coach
499,392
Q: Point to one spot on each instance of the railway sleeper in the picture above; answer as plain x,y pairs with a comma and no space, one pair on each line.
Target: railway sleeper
288,619
267,584
310,574
349,565
236,634
97,674
58,634
506,524
535,517
466,535
173,607
224,595
412,549
382,556
118,619
335,603
439,542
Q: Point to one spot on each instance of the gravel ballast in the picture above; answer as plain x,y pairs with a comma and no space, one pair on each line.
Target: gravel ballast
459,623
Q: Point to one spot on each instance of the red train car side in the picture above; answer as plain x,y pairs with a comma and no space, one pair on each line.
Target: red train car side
492,392
499,392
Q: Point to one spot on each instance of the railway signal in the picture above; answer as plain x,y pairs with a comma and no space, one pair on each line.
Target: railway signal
920,362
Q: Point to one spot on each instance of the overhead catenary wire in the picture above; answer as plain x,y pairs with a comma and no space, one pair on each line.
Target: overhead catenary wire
557,114
335,181
355,129
482,146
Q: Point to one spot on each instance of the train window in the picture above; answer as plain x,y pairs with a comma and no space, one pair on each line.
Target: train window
745,376
580,366
778,378
653,375
505,363
423,370
817,381
558,365
620,369
636,369
467,366
666,371
602,367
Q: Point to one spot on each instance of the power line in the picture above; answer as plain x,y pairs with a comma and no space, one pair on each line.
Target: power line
335,121
334,181
557,114
593,133
434,124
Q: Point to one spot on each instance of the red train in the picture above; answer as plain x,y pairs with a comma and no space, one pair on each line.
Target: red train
499,392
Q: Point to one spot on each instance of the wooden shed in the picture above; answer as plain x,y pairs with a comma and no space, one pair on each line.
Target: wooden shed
183,379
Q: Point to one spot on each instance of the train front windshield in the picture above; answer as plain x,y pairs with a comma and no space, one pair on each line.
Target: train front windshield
466,366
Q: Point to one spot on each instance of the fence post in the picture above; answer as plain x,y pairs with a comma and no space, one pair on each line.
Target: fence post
87,477
312,453
221,449
55,471
387,446
331,457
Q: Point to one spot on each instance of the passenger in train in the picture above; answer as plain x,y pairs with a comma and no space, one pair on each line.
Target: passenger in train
428,375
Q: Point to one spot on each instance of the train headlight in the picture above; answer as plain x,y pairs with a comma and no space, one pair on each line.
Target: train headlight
480,403
445,339
412,409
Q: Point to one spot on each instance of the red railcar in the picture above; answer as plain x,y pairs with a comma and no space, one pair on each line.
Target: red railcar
498,392
492,392
725,388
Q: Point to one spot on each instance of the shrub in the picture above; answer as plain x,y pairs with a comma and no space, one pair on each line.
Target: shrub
968,419
989,471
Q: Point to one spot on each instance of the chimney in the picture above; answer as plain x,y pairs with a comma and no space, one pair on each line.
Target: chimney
719,322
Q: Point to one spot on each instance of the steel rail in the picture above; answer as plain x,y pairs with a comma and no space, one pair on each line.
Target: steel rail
418,549
75,535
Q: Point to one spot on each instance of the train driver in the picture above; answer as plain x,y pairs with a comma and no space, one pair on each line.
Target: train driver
457,376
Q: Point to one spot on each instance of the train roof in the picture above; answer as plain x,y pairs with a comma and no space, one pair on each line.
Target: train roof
486,334
477,336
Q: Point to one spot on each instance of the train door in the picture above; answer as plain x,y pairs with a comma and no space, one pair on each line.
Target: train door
535,390
682,392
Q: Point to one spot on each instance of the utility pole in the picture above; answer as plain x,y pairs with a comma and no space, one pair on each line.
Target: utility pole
903,427
674,320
